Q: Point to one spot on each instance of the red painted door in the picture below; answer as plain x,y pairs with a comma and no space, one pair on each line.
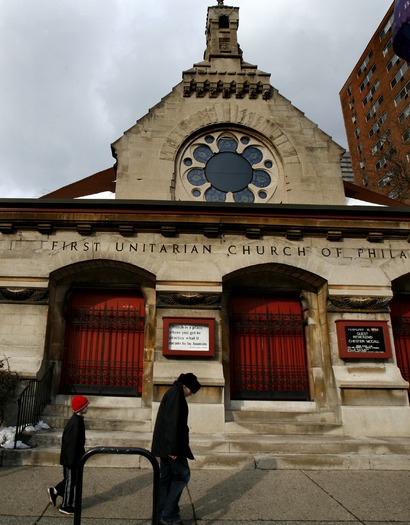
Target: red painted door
104,343
267,348
400,316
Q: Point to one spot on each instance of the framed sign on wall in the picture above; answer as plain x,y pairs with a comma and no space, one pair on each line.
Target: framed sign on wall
188,336
363,339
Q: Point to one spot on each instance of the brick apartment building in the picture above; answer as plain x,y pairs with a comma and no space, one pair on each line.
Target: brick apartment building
376,110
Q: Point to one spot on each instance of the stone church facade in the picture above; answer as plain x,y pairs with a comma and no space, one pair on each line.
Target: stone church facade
229,252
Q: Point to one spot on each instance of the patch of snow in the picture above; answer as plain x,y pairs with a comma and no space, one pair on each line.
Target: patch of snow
7,435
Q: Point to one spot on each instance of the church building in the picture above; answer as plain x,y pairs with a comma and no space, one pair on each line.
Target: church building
228,251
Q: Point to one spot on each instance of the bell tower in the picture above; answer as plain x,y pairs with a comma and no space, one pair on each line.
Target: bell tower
222,34
223,71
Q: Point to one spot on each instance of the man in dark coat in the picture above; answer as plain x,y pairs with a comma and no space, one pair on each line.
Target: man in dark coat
170,443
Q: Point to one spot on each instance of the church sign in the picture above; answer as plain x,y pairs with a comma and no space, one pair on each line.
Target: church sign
363,339
185,336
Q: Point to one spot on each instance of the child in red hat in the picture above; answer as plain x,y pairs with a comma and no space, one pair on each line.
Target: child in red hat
72,448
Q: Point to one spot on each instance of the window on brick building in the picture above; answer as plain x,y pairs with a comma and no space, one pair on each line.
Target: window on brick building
365,63
385,180
404,93
374,108
382,162
379,144
387,47
399,75
388,27
404,114
377,125
371,92
392,62
368,77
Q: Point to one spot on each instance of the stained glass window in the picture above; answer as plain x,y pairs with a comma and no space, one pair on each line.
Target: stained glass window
229,167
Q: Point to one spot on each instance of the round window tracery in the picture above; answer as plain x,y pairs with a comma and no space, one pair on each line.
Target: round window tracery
229,167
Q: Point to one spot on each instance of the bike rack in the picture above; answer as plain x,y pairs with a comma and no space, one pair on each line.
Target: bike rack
117,450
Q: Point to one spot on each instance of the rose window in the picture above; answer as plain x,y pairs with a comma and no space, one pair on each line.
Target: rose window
229,167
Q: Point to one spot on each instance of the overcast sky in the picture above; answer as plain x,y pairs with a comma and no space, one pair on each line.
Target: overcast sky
76,74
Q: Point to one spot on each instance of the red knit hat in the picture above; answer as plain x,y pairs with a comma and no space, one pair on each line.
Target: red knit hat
79,403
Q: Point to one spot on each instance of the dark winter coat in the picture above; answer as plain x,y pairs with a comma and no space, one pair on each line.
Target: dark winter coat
73,441
171,432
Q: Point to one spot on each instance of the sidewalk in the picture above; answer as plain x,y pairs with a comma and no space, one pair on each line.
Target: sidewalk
123,496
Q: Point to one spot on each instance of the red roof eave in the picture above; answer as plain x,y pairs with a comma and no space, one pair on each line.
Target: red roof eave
353,191
99,182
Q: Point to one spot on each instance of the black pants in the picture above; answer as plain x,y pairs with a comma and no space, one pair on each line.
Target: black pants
65,488
174,476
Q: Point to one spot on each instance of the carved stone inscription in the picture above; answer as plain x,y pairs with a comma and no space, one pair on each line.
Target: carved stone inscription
262,249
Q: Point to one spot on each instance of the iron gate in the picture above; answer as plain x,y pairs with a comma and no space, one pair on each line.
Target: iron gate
268,355
400,317
104,346
401,334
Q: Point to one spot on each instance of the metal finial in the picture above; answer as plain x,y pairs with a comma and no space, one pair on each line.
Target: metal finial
220,2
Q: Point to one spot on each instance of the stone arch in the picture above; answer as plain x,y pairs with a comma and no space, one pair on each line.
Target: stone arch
276,277
100,266
286,276
229,115
397,268
300,269
402,284
99,273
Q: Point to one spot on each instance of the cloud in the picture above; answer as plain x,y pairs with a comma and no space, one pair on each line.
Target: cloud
76,74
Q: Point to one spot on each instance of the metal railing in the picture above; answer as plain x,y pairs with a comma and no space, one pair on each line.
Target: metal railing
270,360
117,450
32,401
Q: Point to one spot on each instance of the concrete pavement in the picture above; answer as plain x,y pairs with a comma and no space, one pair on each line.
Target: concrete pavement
123,496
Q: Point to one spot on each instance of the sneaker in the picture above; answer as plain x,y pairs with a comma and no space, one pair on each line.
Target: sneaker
67,510
52,494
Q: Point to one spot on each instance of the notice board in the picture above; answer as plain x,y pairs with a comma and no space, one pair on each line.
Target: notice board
188,336
363,339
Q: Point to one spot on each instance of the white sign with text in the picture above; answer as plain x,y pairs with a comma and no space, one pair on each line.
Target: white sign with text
188,337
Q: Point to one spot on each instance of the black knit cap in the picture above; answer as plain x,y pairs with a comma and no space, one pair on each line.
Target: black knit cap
190,381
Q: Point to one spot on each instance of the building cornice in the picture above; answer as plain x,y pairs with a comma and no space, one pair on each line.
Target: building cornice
129,217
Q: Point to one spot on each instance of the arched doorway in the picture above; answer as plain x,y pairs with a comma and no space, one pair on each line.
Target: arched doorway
100,333
104,342
273,332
